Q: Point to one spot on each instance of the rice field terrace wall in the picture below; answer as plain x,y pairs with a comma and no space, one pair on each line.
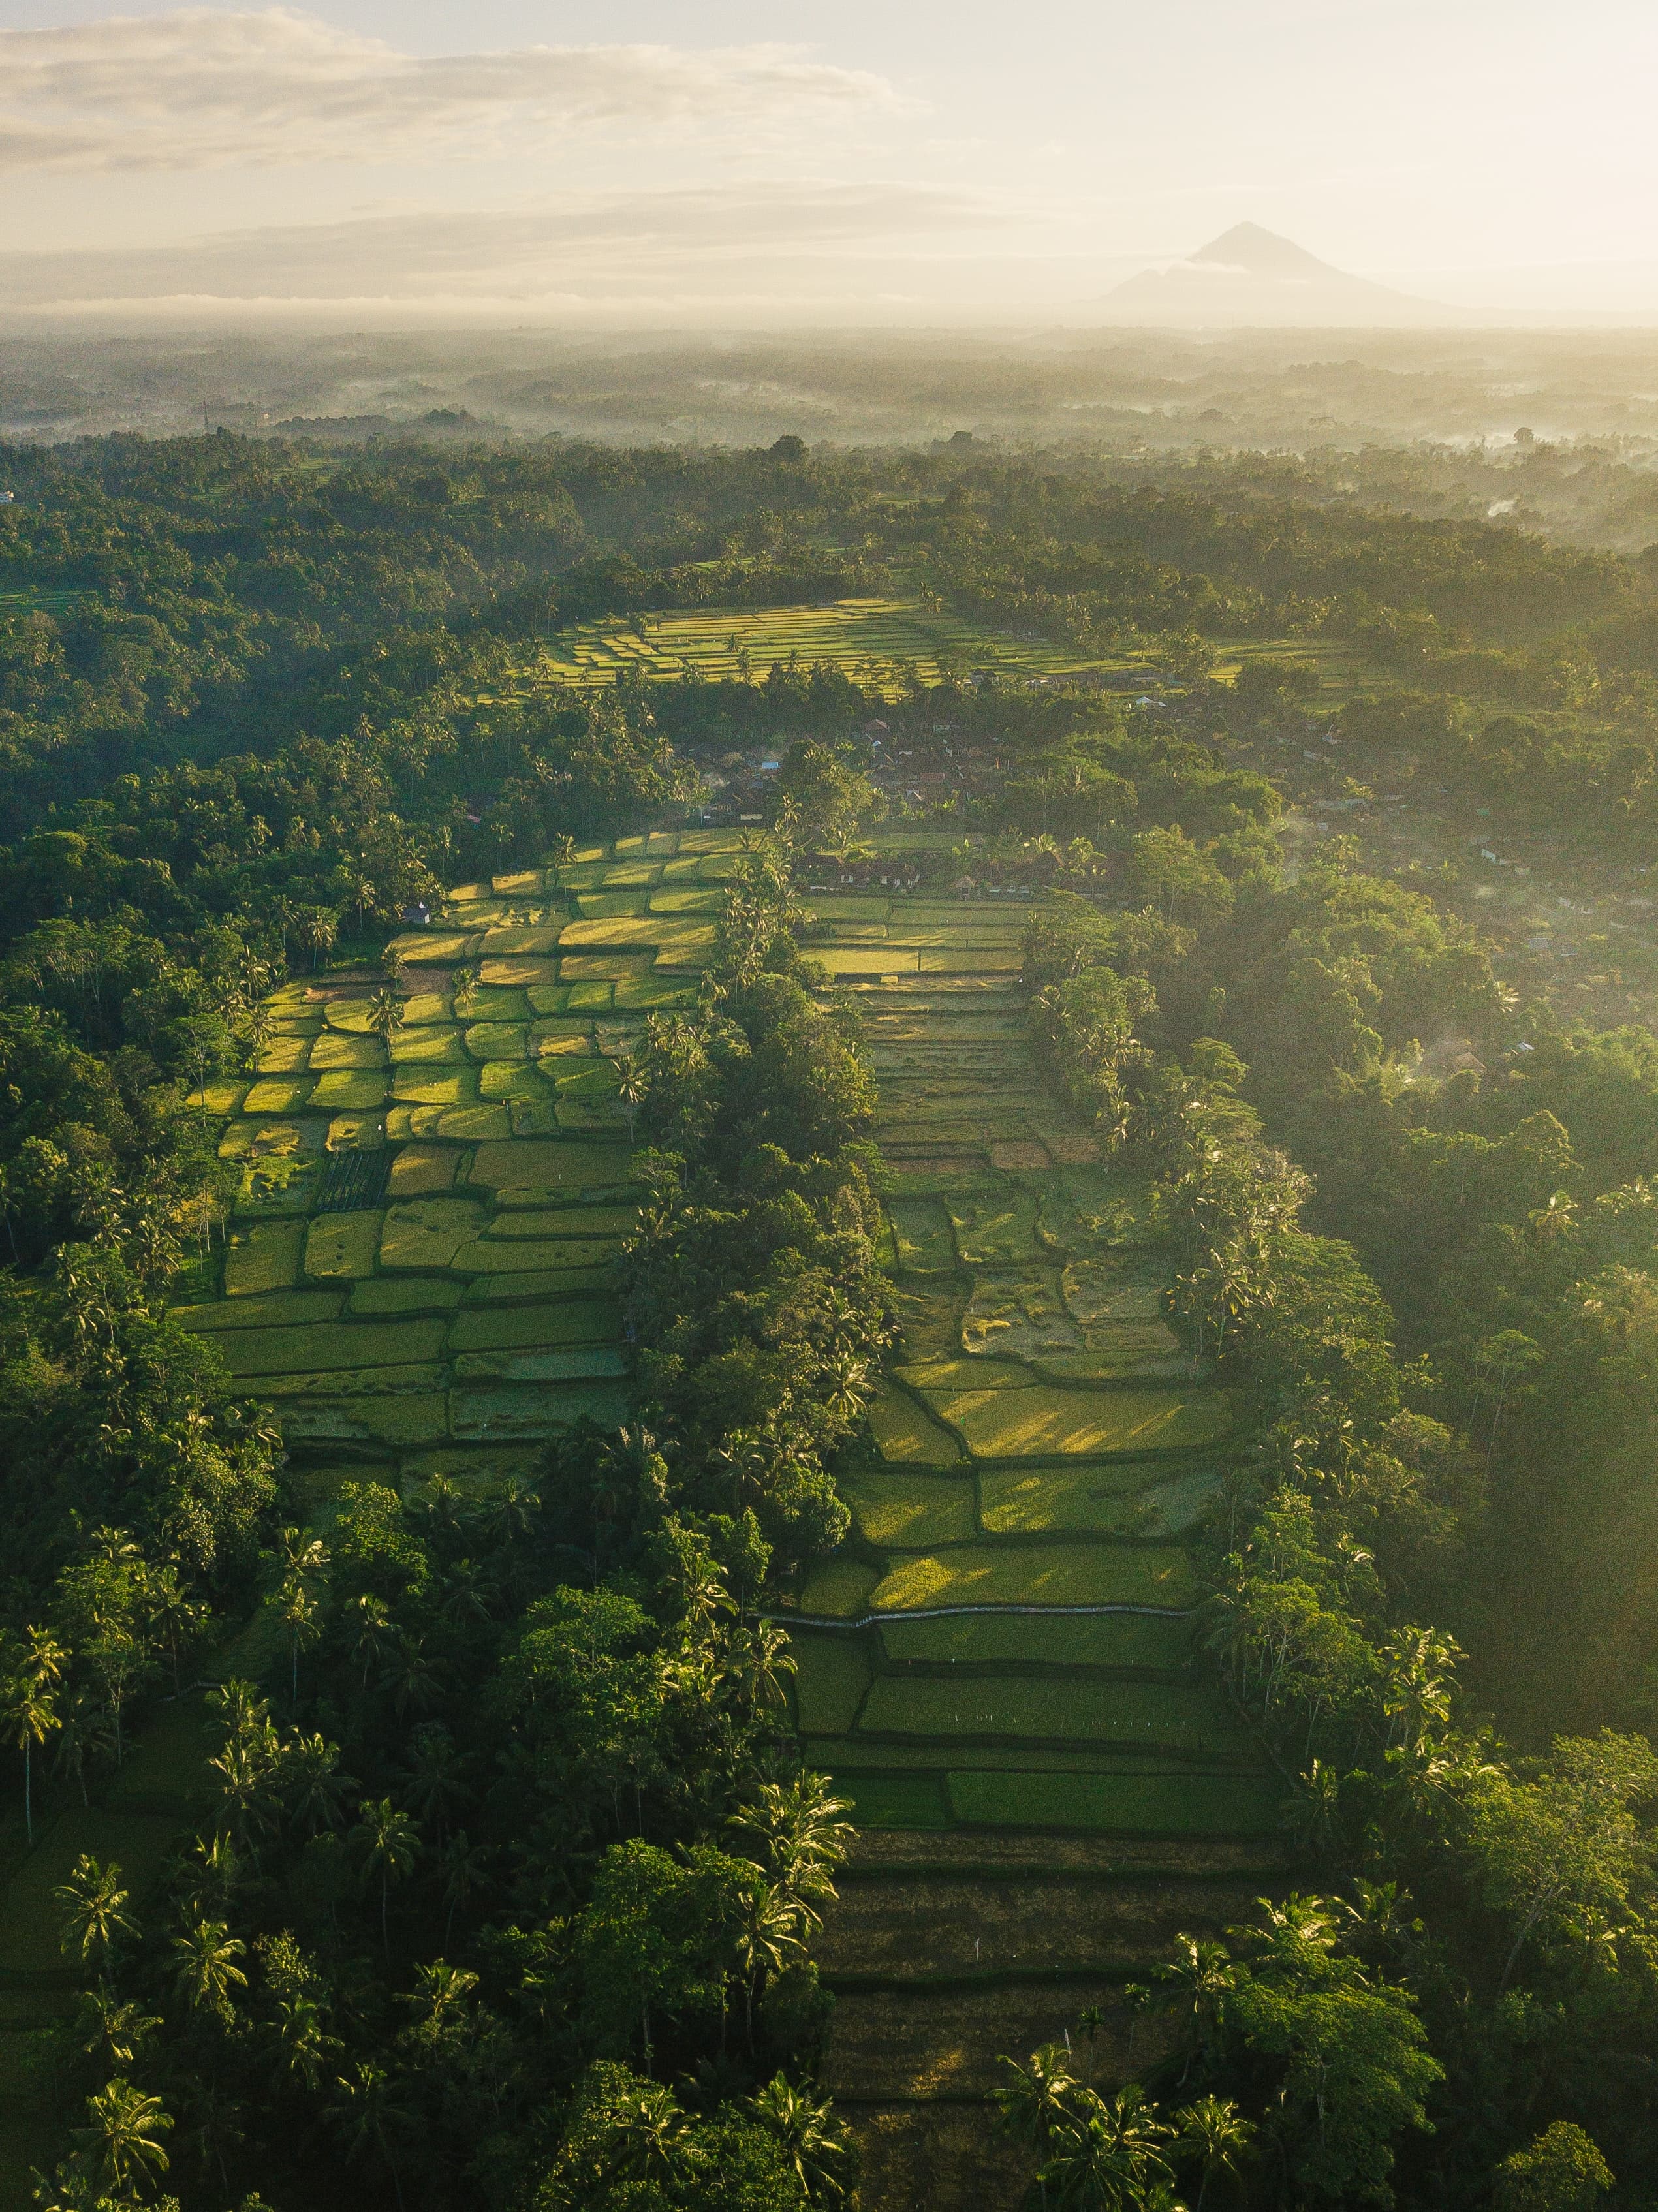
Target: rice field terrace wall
1005,1642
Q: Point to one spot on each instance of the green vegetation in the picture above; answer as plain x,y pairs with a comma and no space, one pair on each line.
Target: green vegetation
720,1286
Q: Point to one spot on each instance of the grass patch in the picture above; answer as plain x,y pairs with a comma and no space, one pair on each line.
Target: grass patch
839,1588
896,1800
583,1320
1162,1643
1039,1574
591,1363
519,971
335,1049
1092,1500
930,1320
903,1432
352,1382
921,1231
1173,1805
351,1091
425,1294
550,1165
325,1347
832,1674
1019,1313
910,1508
414,1418
438,1046
342,1244
959,1373
278,1309
497,1040
265,1257
428,1232
1045,1421
486,1255
474,1123
511,1081
995,1231
494,1414
418,1171
531,1288
1097,1715
280,1094
1116,1288
435,1086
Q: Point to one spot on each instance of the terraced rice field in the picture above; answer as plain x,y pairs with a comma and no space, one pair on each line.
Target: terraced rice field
420,1273
1043,1444
997,1666
865,634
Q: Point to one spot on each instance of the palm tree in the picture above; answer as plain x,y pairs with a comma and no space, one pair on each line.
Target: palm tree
1039,2100
815,2142
173,1611
122,2136
413,1678
119,2030
462,981
802,1838
632,1090
1195,1980
651,2137
93,1901
261,1027
318,934
28,1714
306,2046
372,1634
1215,2134
216,2127
206,1971
316,1790
45,1662
385,1012
466,1874
86,1733
301,1616
390,1843
440,1986
434,1784
768,1932
1111,2154
372,2119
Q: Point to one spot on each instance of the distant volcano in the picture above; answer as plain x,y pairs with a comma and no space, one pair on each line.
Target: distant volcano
1250,277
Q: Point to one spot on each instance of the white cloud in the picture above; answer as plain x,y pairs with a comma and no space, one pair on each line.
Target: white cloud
625,253
199,87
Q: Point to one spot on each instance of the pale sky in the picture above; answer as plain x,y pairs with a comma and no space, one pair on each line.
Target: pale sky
558,160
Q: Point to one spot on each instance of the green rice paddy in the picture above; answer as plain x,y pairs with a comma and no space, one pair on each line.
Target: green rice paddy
869,636
423,1255
1005,1640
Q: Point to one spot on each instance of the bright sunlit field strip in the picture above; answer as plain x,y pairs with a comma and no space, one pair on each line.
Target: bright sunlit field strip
859,635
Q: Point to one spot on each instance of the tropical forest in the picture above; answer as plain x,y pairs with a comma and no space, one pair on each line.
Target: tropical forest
829,1331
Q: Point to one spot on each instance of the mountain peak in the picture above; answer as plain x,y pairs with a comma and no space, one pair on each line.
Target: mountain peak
1247,246
1251,276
